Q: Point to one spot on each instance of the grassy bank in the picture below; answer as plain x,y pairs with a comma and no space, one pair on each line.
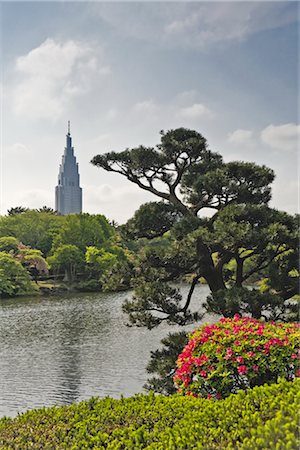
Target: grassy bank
263,418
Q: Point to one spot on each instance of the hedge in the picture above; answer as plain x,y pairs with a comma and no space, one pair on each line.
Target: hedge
264,417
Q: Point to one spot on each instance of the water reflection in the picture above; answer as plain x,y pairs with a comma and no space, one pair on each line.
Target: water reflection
63,350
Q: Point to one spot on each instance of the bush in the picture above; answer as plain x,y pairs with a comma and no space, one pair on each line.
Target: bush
236,354
265,417
14,278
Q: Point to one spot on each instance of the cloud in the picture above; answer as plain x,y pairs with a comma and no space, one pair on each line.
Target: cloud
240,137
18,150
195,24
34,198
50,75
115,202
281,137
195,111
146,106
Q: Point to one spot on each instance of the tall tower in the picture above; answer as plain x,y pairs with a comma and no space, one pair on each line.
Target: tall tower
68,193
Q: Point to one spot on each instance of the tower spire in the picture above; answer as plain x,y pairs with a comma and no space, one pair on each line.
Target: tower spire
68,127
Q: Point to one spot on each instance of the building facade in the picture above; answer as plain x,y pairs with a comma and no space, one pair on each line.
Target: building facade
68,193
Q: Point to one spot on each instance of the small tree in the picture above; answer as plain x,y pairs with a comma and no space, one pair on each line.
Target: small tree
68,258
14,279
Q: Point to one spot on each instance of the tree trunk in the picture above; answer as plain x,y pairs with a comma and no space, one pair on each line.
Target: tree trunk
239,272
212,275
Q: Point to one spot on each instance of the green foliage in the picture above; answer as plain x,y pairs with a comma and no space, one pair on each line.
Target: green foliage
163,300
32,228
8,244
251,301
14,279
32,235
235,246
92,285
163,362
263,418
151,220
212,183
119,276
16,210
99,260
83,230
235,354
68,258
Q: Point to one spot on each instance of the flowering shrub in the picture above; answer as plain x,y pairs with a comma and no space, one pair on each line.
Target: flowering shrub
236,354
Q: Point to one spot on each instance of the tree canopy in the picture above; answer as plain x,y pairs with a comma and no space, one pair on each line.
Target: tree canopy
241,240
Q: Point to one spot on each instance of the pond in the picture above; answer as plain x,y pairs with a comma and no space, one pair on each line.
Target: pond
60,350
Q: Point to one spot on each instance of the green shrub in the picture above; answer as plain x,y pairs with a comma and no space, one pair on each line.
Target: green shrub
265,417
14,278
236,354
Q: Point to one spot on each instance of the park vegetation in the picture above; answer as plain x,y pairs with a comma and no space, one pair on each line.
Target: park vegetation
40,250
236,380
214,225
235,354
265,417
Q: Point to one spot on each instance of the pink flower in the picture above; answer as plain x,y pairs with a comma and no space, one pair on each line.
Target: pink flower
240,359
250,354
242,369
203,373
294,356
297,373
218,396
229,352
255,368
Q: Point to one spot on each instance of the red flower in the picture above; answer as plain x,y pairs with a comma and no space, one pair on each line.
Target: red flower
203,373
297,373
255,367
208,396
240,359
242,369
218,396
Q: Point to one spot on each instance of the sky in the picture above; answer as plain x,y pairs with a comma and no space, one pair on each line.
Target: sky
123,71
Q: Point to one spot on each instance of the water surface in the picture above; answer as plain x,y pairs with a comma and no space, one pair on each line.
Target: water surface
59,350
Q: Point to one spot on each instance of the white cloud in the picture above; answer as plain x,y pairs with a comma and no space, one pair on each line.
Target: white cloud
195,111
147,106
50,75
194,24
34,198
112,113
240,137
17,150
115,202
281,137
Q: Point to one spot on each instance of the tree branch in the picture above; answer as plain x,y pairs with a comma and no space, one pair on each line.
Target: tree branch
190,294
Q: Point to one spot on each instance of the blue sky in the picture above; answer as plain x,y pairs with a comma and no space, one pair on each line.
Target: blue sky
122,71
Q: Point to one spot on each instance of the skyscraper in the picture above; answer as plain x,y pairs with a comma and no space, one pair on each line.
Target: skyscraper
68,193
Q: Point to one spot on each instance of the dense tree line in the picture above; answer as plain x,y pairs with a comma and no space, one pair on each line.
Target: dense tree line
79,249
